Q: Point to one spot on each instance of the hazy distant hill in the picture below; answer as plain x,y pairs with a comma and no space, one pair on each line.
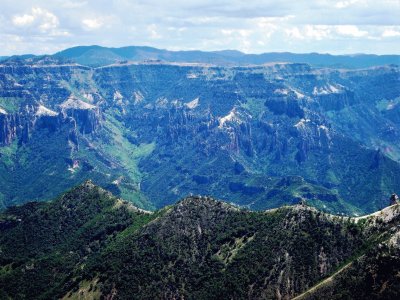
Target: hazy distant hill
97,56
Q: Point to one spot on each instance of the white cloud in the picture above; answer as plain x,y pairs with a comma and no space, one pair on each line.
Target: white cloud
180,29
253,26
294,33
23,20
325,32
39,17
92,24
309,32
242,37
73,4
198,21
344,4
244,32
152,30
60,33
227,32
388,33
269,26
317,32
350,31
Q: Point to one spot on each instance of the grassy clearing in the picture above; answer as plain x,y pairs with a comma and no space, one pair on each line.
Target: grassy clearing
88,290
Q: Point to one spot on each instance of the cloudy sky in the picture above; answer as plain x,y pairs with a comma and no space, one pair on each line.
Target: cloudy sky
252,26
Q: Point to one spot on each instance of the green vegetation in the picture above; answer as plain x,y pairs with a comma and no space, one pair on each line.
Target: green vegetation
47,243
88,244
10,104
255,106
87,290
8,154
385,104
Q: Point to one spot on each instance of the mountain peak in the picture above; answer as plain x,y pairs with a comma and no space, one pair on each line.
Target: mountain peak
88,185
88,182
200,201
86,192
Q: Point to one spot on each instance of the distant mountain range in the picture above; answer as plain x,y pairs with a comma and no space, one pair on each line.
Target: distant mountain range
101,56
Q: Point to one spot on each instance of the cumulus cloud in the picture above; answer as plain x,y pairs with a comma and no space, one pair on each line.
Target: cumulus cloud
23,20
73,4
39,17
344,4
317,32
92,24
152,30
350,30
325,32
253,26
294,33
268,26
390,32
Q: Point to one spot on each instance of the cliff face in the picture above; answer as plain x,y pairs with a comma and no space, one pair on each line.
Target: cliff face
87,116
19,126
40,146
90,244
8,128
233,132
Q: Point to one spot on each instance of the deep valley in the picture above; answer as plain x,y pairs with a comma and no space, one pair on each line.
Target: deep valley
152,132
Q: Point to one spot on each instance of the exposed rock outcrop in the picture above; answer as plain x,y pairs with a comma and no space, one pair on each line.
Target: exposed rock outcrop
87,116
8,127
394,199
285,104
336,100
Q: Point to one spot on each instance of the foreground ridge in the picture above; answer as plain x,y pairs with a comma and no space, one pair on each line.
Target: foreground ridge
322,283
90,244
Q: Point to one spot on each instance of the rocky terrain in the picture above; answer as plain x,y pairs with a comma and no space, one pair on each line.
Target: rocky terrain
152,132
87,244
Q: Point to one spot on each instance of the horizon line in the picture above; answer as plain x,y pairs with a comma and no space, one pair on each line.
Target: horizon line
205,51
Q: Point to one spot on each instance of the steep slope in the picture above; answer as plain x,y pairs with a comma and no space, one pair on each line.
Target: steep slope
372,274
42,245
198,248
260,136
202,249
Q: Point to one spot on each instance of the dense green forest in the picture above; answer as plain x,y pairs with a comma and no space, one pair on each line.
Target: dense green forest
88,244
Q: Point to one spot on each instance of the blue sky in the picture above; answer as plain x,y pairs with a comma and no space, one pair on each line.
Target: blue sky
252,26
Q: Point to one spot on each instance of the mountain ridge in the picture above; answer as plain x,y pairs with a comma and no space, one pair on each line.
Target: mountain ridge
197,248
96,55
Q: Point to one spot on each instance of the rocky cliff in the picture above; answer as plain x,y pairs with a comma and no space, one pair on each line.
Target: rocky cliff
8,126
150,129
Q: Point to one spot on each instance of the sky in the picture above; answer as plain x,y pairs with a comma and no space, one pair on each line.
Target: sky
252,26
